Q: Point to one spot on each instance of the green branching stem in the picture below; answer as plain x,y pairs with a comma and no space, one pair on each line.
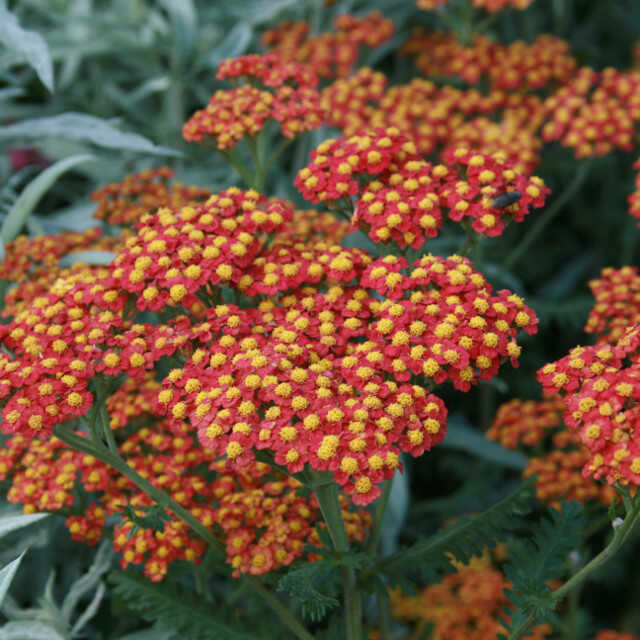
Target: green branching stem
113,459
378,518
546,217
233,159
326,492
620,536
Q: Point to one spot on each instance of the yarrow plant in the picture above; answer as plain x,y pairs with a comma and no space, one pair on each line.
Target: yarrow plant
225,387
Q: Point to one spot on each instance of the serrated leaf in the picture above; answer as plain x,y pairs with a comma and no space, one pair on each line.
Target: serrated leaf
7,573
32,193
29,45
462,437
94,257
13,522
29,630
84,128
233,45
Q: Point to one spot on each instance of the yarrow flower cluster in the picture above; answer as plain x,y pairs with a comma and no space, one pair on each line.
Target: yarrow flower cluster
617,296
594,112
516,66
265,525
332,54
288,96
599,385
409,198
125,202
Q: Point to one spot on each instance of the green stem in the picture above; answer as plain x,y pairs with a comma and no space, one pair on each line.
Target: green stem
231,156
263,171
326,492
114,460
577,579
546,218
378,518
100,452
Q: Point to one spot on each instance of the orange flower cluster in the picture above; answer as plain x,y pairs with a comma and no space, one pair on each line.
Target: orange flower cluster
617,294
288,96
599,385
516,66
594,112
526,423
409,198
490,5
329,54
125,202
466,605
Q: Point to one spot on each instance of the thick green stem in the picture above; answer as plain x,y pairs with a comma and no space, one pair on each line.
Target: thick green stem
378,518
326,492
234,160
546,218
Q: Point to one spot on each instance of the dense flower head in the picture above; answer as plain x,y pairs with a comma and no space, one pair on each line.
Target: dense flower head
617,303
594,112
408,198
600,388
518,422
350,102
177,252
266,524
288,95
332,54
125,202
467,604
511,67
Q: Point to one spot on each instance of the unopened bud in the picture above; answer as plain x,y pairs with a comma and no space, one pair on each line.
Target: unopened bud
617,522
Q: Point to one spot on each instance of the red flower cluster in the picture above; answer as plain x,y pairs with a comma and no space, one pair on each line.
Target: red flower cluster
594,112
288,96
511,67
408,199
617,294
125,202
600,388
329,54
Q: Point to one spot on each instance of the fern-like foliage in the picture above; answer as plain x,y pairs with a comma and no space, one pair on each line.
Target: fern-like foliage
533,563
176,608
466,538
314,587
